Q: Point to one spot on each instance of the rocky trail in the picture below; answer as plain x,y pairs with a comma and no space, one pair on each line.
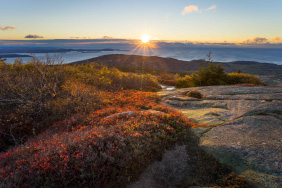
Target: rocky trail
241,126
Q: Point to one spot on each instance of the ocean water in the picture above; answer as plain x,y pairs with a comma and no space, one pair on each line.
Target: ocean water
219,54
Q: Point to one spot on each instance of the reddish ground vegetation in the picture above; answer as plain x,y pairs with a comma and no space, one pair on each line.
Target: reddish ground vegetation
94,151
55,118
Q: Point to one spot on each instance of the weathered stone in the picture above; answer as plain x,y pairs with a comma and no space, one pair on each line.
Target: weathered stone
201,130
168,172
247,136
256,141
206,115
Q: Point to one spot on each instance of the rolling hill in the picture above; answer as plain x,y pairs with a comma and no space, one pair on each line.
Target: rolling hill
173,65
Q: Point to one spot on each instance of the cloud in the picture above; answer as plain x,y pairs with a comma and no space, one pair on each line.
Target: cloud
106,37
190,9
276,40
74,37
256,40
194,8
33,37
213,7
6,28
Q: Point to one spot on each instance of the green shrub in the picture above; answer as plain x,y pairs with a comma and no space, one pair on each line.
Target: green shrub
241,78
184,82
195,94
209,75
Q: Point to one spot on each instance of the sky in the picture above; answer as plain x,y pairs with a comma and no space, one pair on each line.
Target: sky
219,21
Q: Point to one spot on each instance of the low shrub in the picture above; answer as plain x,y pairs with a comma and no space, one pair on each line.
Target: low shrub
167,79
241,78
195,94
215,75
184,82
96,151
211,74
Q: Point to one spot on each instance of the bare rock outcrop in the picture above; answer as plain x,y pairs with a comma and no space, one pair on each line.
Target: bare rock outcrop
241,126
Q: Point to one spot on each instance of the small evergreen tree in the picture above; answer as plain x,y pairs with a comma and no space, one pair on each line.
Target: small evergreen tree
209,74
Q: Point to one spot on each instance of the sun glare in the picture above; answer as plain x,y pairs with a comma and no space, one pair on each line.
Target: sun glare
146,38
145,46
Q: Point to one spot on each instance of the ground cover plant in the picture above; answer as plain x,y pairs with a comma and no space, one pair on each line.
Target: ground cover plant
84,126
34,95
95,150
103,149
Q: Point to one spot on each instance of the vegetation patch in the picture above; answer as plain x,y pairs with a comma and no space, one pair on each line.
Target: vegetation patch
167,79
209,74
241,78
94,150
63,124
36,94
195,94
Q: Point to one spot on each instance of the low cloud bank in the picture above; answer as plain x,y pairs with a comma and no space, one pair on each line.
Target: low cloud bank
256,40
33,37
276,40
106,37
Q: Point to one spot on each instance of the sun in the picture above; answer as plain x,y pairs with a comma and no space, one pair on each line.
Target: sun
146,45
145,38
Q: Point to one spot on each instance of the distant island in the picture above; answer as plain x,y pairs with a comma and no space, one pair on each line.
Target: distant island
13,55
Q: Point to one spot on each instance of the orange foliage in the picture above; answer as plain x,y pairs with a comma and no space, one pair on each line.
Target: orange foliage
96,151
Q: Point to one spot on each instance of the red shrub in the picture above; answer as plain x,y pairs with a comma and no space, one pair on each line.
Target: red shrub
95,151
